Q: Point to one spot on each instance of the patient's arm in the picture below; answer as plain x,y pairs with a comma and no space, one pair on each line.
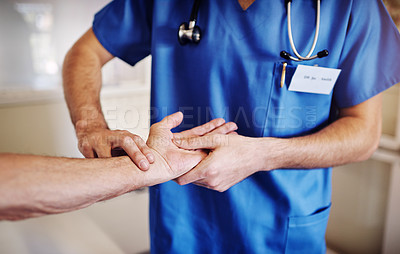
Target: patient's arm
32,186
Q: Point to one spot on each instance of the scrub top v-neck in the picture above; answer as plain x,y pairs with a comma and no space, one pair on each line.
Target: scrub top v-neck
235,73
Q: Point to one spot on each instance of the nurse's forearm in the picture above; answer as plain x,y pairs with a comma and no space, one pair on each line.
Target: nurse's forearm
82,84
32,186
338,144
82,79
353,137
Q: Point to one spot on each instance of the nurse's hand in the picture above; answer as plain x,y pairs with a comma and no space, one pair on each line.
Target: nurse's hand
232,158
99,141
182,160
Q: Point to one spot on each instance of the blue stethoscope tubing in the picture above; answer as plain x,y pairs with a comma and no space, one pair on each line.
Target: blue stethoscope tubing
190,32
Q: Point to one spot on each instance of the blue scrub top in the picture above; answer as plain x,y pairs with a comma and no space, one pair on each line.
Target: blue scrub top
235,73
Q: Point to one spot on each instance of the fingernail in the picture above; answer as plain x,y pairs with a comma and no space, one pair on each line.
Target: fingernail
143,164
177,141
150,158
234,126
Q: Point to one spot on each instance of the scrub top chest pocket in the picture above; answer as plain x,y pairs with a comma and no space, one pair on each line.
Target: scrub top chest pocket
292,113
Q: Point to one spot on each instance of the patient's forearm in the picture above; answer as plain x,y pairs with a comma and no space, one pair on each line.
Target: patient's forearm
31,186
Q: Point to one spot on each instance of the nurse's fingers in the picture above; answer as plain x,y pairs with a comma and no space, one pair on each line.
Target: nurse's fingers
206,173
136,149
192,176
103,152
204,142
141,144
199,183
224,129
203,178
202,129
85,148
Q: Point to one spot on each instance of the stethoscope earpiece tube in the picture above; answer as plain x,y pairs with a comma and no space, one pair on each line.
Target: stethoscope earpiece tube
190,32
285,55
323,53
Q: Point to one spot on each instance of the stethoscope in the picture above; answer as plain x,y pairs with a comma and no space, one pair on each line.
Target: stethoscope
192,33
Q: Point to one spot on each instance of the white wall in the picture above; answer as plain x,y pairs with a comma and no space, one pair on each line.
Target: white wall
114,226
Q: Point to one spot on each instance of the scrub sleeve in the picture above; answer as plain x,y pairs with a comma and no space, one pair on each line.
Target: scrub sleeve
369,60
124,29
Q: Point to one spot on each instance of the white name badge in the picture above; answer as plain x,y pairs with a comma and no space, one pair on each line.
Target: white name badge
312,79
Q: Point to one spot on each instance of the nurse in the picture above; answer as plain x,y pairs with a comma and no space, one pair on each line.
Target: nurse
273,180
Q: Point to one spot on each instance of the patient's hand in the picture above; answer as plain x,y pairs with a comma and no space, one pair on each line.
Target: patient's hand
178,161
